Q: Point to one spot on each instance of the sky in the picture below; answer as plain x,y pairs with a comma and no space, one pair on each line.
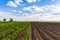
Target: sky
30,10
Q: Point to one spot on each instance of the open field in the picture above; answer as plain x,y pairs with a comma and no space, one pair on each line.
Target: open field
29,31
45,31
14,30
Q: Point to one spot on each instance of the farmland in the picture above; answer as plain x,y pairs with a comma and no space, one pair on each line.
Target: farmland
45,31
29,31
14,30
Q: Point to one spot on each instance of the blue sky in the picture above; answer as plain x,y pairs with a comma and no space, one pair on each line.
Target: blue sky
30,10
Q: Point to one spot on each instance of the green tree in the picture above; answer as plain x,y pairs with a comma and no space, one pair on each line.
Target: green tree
11,20
4,20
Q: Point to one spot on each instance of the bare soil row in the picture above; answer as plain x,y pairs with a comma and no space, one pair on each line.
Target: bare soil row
45,31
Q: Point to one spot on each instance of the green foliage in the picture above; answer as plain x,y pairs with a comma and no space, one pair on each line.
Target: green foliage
4,19
11,20
10,30
26,35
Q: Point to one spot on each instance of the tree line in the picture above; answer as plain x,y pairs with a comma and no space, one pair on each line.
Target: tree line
4,20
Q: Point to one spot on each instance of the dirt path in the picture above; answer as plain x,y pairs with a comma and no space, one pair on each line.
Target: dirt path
19,37
21,34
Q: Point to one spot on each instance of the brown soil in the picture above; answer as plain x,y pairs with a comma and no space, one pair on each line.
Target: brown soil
45,31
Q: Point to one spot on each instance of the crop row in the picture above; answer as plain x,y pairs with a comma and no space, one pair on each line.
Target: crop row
10,30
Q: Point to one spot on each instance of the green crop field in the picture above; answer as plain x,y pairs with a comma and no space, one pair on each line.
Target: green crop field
11,30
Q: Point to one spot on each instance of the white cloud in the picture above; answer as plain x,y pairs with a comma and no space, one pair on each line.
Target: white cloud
44,9
52,8
29,1
50,13
5,14
33,9
36,17
13,10
18,1
20,11
15,3
11,4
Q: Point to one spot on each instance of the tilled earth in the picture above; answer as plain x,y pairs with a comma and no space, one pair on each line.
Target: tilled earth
44,31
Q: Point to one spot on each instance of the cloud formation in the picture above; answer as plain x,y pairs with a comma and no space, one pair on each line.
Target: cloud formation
18,2
11,4
45,9
15,3
44,13
37,13
33,17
